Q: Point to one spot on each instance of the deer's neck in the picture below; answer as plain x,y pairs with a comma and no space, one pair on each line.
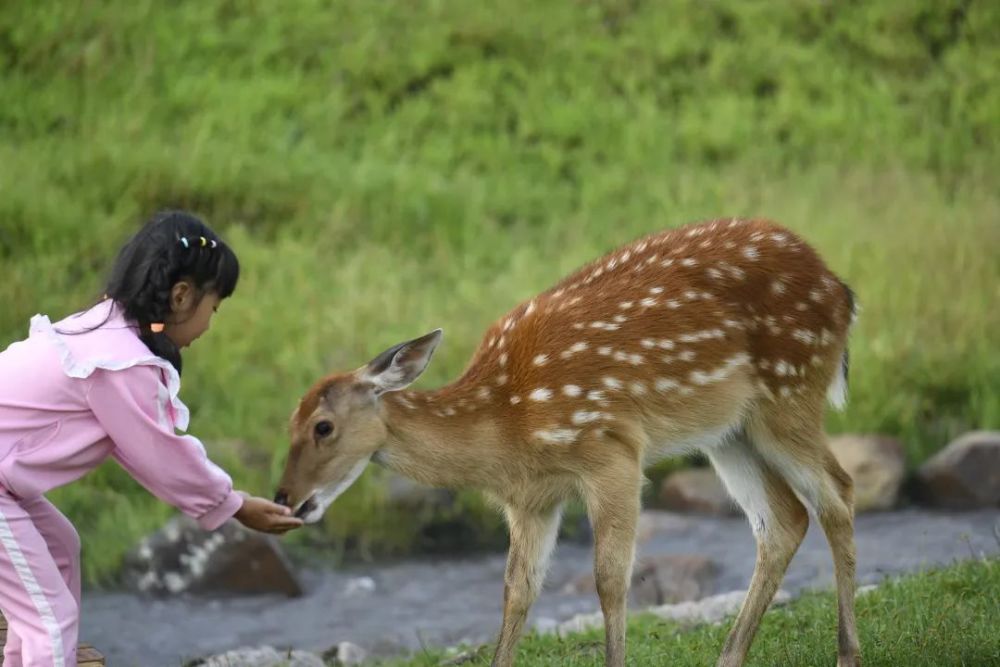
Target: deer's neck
442,438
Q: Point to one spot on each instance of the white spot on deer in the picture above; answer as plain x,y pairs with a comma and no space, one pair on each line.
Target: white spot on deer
666,384
816,360
493,341
449,411
804,336
731,324
686,355
620,356
530,309
508,324
571,390
751,253
816,295
636,359
729,245
596,395
825,338
673,304
648,302
652,258
611,264
637,388
780,239
578,325
540,359
502,379
581,417
655,290
557,436
626,256
575,300
665,344
734,222
483,393
559,292
501,342
514,400
689,261
736,272
691,295
648,343
714,273
541,394
642,246
503,359
786,391
625,305
604,351
612,383
782,368
706,243
667,263
620,319
405,402
777,287
800,306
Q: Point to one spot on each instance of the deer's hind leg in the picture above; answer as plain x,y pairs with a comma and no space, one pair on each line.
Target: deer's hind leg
790,438
779,522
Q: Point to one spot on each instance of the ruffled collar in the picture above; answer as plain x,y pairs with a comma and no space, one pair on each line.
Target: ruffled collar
112,345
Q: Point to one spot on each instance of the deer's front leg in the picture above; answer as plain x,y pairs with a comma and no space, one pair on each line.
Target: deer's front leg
532,538
613,504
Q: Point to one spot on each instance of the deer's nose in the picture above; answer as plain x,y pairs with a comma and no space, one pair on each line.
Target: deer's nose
281,497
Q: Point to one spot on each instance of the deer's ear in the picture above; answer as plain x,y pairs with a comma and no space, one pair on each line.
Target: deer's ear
400,365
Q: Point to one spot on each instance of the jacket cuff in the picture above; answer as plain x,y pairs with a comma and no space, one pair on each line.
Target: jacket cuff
222,512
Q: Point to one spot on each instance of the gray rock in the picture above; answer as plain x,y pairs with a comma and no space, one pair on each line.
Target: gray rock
711,609
877,465
262,656
670,578
183,558
965,474
697,490
345,654
659,579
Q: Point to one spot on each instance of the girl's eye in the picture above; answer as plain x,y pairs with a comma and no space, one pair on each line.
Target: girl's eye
323,428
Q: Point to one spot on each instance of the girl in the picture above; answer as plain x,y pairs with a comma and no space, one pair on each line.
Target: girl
102,383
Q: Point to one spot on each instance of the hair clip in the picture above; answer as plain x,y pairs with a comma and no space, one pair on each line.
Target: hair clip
214,244
184,242
156,327
204,242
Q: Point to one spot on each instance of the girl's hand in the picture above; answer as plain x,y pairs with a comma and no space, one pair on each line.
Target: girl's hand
262,515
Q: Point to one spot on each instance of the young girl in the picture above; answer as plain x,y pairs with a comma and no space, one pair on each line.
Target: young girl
102,383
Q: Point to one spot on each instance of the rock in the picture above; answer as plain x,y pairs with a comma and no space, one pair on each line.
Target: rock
345,653
359,586
657,522
865,590
263,656
877,465
672,578
660,579
183,558
405,494
697,490
711,609
965,474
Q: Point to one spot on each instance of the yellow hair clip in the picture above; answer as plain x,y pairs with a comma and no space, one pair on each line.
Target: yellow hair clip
204,242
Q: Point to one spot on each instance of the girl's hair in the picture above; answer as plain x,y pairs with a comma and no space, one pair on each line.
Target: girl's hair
172,246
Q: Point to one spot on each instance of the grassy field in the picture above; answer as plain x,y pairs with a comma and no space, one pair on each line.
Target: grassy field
944,618
386,168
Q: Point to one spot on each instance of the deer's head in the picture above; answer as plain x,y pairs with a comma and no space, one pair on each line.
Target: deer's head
339,425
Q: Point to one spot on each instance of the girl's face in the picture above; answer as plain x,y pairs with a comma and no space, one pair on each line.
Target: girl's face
192,313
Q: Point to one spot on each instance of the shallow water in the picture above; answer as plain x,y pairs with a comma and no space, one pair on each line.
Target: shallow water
443,602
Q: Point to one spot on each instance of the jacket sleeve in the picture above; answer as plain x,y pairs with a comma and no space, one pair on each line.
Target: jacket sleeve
130,405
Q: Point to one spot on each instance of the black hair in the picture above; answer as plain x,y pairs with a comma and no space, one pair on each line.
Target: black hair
171,246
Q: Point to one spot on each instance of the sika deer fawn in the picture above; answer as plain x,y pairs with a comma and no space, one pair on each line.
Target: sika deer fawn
725,337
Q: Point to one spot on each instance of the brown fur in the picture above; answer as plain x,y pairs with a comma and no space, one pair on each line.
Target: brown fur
671,343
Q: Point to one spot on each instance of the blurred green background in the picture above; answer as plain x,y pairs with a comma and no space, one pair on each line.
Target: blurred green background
383,168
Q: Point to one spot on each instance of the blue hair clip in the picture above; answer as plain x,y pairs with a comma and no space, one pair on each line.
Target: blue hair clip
184,241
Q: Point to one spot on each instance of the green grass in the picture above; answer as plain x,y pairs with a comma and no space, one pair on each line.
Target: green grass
383,169
942,618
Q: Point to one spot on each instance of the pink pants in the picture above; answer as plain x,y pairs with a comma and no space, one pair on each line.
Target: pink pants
39,583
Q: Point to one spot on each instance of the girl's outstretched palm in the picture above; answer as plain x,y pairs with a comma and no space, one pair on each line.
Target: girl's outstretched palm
265,516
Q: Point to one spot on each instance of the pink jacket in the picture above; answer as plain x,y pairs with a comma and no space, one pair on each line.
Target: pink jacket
69,401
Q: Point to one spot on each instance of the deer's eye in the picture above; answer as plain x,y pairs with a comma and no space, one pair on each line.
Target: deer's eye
323,428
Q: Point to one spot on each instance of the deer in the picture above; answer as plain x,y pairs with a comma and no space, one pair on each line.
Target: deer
725,337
